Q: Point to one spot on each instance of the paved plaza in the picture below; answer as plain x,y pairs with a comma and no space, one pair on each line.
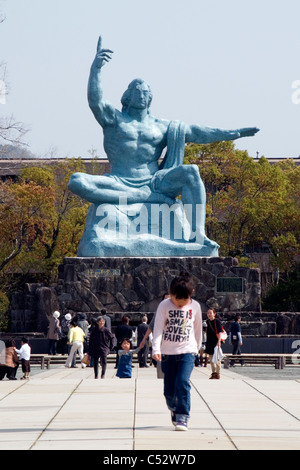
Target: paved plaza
68,409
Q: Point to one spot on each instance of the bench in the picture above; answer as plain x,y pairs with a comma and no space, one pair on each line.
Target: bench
46,359
278,360
42,359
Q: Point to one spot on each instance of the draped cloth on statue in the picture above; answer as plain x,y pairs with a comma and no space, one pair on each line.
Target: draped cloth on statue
175,152
145,229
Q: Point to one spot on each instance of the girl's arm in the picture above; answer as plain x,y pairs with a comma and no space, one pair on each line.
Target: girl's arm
157,333
198,327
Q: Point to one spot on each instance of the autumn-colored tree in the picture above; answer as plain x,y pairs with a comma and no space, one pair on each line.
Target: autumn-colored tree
22,217
41,221
66,204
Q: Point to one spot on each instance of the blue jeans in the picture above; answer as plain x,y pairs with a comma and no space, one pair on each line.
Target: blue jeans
177,369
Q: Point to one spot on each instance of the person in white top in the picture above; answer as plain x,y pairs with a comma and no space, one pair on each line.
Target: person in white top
177,338
24,356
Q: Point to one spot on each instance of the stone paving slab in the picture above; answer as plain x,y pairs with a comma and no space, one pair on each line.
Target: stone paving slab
66,409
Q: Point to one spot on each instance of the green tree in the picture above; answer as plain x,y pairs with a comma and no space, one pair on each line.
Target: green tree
249,202
284,226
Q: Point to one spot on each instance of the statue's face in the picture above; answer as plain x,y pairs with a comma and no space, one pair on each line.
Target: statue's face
140,96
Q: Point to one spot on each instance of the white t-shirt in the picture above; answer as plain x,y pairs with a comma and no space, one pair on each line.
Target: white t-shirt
177,331
24,352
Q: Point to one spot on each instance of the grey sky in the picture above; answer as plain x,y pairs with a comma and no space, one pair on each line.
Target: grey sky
218,63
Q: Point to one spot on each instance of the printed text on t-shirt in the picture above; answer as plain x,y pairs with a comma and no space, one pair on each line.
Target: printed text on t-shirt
178,326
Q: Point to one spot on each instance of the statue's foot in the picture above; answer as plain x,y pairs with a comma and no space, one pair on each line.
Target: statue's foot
210,243
205,241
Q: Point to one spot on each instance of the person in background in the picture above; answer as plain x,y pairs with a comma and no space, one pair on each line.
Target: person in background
106,318
203,355
76,338
122,331
65,328
201,358
144,350
24,356
84,325
235,338
100,345
92,324
11,364
125,359
214,330
53,333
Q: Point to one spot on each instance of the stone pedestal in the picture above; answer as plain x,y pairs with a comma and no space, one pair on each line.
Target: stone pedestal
135,286
138,284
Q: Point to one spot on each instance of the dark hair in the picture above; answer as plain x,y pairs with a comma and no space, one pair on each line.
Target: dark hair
213,309
10,342
182,286
237,317
94,321
185,275
128,340
24,339
73,323
125,319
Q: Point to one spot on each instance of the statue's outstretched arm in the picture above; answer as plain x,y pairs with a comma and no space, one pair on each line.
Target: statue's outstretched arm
103,111
206,135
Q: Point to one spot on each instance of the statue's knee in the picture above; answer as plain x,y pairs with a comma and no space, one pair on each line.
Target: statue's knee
194,169
76,181
192,173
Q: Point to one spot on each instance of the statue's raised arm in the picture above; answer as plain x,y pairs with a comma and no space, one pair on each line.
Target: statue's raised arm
103,111
207,135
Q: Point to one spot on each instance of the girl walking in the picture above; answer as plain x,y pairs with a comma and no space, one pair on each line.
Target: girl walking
177,339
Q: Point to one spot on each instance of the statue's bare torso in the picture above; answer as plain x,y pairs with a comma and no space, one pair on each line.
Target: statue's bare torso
134,148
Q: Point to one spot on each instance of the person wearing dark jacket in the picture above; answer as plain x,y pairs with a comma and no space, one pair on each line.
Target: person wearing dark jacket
122,331
100,345
235,338
214,330
143,352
